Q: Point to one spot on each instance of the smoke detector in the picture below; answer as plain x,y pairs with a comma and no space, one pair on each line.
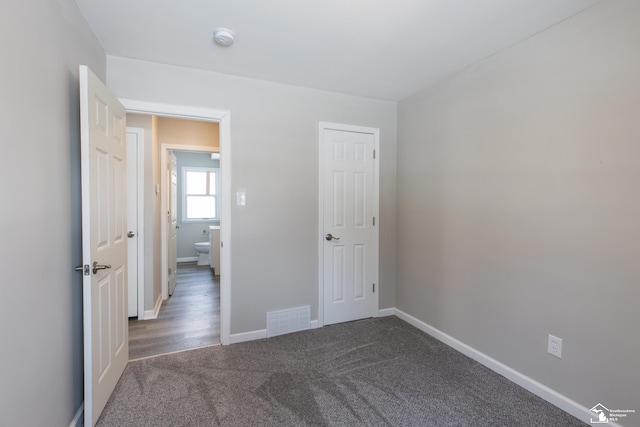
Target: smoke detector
223,36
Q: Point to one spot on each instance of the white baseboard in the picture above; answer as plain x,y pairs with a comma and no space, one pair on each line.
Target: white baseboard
247,336
153,314
259,334
541,390
187,259
78,419
386,312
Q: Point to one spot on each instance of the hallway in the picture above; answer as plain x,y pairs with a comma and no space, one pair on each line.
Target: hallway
189,319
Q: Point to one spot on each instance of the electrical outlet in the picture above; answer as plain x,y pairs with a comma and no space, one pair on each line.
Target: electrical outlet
554,346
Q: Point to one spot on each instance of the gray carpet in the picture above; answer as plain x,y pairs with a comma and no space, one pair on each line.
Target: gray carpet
370,372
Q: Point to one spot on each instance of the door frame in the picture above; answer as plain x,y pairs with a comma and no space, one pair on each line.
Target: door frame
223,118
164,207
164,204
376,208
140,214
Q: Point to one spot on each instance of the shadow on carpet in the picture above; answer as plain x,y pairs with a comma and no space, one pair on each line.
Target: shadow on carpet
371,372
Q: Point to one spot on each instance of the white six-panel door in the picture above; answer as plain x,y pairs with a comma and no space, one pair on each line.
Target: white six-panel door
104,242
132,221
349,237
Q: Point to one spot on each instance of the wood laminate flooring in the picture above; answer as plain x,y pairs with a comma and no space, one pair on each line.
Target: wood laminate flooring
189,319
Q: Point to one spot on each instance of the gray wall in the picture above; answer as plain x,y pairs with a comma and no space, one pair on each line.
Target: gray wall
41,305
518,206
191,232
275,239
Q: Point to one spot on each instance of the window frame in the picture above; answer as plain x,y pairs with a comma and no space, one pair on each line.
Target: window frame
214,171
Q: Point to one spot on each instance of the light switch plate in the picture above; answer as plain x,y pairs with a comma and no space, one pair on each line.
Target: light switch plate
241,198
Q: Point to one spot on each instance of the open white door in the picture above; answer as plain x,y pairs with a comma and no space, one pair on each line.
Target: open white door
104,242
132,221
172,221
349,234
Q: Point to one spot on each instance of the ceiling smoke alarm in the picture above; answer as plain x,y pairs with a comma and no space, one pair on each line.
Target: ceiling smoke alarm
223,36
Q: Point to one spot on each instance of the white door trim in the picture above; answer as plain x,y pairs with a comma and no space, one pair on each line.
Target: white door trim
140,226
222,117
376,207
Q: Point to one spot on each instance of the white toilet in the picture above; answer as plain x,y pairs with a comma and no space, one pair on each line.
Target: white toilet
203,252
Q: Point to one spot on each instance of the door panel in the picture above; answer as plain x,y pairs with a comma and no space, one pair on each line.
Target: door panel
104,242
338,260
350,264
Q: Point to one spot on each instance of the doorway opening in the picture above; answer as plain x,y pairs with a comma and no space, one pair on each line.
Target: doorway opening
189,213
155,158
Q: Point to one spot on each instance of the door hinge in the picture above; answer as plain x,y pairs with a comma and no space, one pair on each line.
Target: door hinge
374,287
374,221
374,154
222,244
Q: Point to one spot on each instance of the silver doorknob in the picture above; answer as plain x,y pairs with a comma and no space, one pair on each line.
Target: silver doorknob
329,237
97,267
131,234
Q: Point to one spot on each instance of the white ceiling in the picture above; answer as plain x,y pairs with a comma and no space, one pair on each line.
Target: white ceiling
380,49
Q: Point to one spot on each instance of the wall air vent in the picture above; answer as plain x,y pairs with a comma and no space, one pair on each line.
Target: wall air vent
289,320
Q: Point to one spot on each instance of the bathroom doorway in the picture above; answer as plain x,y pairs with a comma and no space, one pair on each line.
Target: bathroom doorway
195,205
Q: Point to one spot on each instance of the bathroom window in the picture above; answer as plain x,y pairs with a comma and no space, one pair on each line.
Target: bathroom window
199,194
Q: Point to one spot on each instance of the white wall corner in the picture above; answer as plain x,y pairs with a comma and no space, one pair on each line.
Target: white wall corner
570,406
247,336
78,419
153,314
